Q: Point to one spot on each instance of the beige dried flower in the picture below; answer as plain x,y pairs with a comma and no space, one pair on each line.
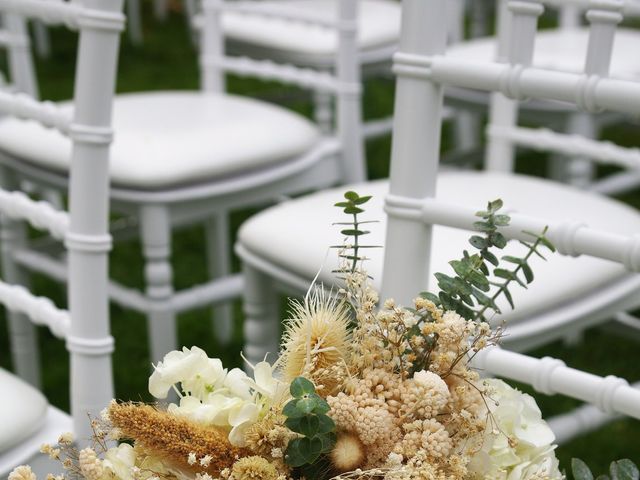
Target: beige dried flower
316,341
23,472
174,438
253,468
90,465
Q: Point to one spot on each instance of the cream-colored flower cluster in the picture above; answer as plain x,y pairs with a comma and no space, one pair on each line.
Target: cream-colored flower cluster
405,403
213,396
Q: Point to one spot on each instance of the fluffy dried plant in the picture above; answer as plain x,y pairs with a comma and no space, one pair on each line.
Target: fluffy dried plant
316,340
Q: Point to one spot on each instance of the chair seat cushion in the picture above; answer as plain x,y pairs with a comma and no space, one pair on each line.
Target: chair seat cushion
296,235
378,26
23,411
165,139
563,50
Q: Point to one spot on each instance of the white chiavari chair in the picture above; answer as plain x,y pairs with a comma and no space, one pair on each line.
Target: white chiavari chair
562,49
27,419
186,157
430,213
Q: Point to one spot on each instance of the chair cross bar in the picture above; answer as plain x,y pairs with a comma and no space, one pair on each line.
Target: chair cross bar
257,8
46,113
40,310
567,144
73,15
570,238
40,214
610,394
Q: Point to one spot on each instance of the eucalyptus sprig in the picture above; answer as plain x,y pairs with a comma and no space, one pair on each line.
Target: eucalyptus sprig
623,469
352,205
307,415
467,292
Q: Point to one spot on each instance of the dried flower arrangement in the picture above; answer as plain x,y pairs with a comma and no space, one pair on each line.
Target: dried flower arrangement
358,392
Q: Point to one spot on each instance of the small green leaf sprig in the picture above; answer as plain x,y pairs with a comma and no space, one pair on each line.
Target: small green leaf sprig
623,469
307,415
352,205
467,292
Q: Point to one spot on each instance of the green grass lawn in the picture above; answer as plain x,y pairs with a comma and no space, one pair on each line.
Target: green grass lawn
168,61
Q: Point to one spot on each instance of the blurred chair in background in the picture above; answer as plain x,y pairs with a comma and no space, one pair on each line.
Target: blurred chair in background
569,294
27,419
185,157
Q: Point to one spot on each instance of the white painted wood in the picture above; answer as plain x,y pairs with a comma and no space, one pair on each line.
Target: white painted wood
22,333
40,214
134,22
85,326
318,167
261,317
550,376
219,266
156,247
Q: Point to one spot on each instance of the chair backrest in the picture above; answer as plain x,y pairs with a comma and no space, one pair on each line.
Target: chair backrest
84,228
14,37
503,135
344,83
423,70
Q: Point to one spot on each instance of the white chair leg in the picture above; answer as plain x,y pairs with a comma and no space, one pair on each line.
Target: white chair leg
161,9
156,246
42,39
23,339
466,130
579,172
261,322
323,111
219,264
134,21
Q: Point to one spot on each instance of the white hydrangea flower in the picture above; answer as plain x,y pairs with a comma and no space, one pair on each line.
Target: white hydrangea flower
120,460
530,453
215,396
205,381
177,366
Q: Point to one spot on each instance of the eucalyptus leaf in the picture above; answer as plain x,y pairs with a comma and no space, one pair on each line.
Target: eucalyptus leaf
580,470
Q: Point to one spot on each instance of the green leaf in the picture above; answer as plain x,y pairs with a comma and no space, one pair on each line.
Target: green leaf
495,205
499,241
301,386
293,423
326,424
291,410
603,477
328,441
310,448
293,456
353,210
486,227
502,220
507,294
490,257
362,200
479,281
307,405
528,273
580,470
445,282
342,204
322,406
351,195
624,469
510,259
430,296
352,232
309,425
478,242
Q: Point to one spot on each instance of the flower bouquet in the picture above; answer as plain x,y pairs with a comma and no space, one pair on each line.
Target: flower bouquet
358,391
